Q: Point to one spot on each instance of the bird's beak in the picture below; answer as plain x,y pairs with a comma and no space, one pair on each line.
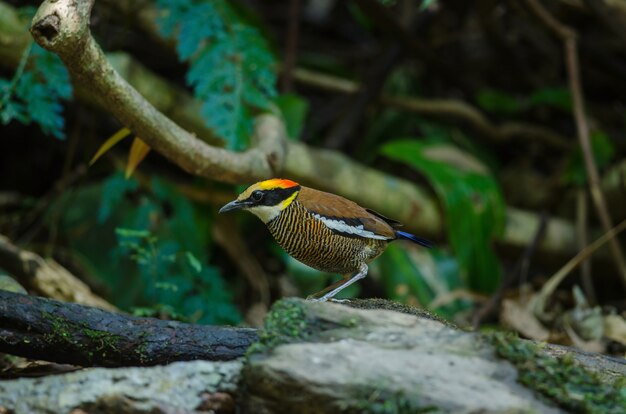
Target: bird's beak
233,205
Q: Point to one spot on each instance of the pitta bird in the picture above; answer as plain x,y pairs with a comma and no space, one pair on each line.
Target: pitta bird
324,231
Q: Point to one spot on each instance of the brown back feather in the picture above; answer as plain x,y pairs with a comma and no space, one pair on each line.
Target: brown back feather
331,205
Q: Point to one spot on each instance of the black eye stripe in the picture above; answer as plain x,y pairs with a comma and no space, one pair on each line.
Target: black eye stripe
273,197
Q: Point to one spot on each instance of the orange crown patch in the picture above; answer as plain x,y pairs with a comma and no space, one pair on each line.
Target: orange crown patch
277,183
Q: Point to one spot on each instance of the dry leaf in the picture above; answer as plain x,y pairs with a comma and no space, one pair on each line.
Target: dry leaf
109,143
138,152
615,328
521,319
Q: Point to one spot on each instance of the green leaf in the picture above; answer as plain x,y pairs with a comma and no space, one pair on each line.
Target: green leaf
138,152
110,143
35,92
231,67
294,110
166,239
113,191
193,262
474,210
140,234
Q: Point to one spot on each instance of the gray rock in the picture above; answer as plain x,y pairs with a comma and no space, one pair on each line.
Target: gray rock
182,387
383,361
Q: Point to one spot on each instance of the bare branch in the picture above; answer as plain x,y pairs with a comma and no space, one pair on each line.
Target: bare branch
62,27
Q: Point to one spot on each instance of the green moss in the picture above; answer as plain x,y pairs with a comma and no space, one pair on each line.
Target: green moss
561,380
106,340
62,333
59,332
285,323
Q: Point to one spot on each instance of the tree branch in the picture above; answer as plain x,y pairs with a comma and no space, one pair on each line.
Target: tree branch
62,27
45,329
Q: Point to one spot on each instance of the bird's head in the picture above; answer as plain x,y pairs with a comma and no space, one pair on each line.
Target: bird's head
265,199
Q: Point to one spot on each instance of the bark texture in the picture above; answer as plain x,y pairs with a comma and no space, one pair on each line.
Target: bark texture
49,330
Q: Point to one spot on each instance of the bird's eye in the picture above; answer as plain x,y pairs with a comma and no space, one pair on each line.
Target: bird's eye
257,195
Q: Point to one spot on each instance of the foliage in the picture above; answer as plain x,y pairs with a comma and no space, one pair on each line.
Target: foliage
35,92
156,245
474,210
418,278
231,66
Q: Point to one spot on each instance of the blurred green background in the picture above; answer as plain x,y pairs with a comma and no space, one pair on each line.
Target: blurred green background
468,100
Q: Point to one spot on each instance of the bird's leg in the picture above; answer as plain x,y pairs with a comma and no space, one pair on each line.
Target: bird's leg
339,286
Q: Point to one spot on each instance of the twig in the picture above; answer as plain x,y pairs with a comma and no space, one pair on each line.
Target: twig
583,237
569,38
551,285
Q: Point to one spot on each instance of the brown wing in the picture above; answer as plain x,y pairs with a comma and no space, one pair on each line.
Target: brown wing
334,207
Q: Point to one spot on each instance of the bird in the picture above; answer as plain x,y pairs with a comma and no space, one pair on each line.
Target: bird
322,230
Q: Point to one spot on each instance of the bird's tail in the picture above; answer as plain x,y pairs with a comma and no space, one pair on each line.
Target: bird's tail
414,239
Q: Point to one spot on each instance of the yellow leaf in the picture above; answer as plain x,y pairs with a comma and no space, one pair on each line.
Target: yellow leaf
138,152
109,143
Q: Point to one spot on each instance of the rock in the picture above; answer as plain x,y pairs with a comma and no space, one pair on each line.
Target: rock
182,387
330,358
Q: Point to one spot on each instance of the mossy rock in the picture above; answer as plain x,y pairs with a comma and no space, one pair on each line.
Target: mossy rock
331,358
